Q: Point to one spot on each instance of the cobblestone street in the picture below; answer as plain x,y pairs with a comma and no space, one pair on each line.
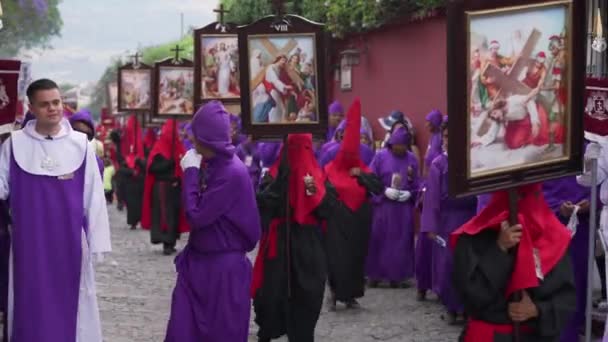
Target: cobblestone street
136,280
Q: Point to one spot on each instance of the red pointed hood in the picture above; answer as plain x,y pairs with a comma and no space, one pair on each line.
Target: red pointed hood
350,192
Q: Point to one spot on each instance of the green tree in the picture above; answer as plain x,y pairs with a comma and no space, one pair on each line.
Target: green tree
28,25
341,16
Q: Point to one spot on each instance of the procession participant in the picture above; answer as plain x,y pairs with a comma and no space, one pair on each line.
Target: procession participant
424,246
149,140
269,153
131,170
214,273
117,159
441,215
566,198
83,122
162,212
349,219
52,281
493,260
236,129
391,247
336,115
288,291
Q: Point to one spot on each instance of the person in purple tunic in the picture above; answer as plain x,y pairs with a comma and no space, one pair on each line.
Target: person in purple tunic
236,129
562,196
336,115
248,153
442,215
366,152
391,246
211,297
269,153
83,122
424,246
52,290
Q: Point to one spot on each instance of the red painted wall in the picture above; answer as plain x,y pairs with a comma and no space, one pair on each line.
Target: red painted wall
404,68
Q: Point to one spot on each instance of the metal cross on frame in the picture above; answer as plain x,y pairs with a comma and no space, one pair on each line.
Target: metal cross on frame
279,7
135,59
221,11
177,50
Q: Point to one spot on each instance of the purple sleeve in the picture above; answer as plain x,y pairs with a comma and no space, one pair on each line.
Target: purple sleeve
203,209
101,166
375,168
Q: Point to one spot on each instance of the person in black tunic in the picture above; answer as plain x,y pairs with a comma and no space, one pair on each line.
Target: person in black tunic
131,170
349,219
290,269
493,261
162,213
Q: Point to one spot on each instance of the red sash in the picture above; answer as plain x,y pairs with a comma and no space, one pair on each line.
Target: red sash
480,331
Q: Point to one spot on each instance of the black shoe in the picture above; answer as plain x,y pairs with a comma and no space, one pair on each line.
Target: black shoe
169,250
421,296
133,227
372,284
394,285
353,304
452,318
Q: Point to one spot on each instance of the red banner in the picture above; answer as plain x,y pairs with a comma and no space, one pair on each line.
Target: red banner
9,93
596,109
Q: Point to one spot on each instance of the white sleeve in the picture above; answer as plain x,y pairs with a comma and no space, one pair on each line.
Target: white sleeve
95,208
602,173
490,136
5,165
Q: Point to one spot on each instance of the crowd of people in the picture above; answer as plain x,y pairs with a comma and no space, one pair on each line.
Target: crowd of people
339,214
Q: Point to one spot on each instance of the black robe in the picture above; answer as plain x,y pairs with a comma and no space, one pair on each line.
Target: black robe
166,201
481,274
275,312
133,185
347,239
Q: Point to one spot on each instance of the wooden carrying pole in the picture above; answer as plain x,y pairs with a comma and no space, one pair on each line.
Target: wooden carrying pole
517,295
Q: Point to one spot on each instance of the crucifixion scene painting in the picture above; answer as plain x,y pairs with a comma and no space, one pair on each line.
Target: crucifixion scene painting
135,89
220,67
282,76
175,91
518,88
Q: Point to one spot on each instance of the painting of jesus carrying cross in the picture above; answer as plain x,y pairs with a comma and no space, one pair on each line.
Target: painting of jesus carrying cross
282,79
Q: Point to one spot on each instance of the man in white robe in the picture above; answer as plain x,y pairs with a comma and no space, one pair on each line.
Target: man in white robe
49,174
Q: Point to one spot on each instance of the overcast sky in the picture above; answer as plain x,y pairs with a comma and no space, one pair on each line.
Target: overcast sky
95,31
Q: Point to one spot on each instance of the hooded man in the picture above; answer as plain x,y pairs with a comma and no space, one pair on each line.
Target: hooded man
290,268
162,212
391,246
349,219
211,298
493,260
83,122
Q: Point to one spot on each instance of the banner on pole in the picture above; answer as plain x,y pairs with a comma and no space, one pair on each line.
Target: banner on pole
596,110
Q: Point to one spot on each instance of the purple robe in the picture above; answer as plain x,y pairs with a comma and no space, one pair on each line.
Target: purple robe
365,152
434,149
269,152
5,245
211,300
442,215
248,154
557,192
391,245
46,280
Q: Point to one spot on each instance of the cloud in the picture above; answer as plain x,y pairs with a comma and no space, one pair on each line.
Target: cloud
75,54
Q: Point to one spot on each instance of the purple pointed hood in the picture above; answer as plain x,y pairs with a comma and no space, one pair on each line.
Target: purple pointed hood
211,127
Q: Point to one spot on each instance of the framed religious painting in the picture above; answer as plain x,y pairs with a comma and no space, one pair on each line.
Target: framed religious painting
135,88
283,62
515,92
112,97
216,64
174,88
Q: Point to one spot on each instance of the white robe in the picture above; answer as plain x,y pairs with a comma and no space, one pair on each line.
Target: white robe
67,148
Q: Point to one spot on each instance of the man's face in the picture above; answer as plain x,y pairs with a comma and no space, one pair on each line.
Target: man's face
335,119
282,62
494,51
445,140
47,107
